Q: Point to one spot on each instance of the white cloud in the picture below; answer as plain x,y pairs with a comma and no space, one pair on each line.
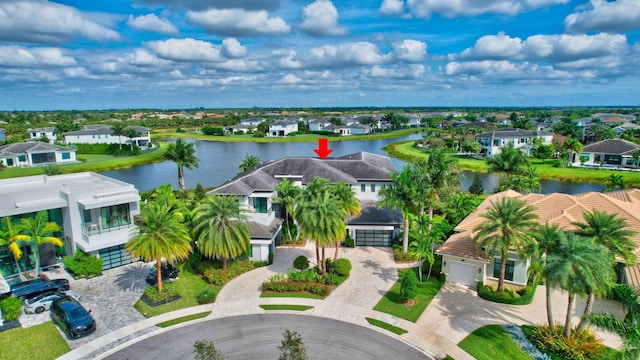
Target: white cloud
46,22
143,58
20,56
392,8
151,22
218,4
410,50
185,50
289,79
413,71
505,70
456,8
321,18
283,59
231,48
348,54
618,16
236,65
238,22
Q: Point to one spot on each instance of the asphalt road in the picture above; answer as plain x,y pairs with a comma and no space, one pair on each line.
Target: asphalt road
257,337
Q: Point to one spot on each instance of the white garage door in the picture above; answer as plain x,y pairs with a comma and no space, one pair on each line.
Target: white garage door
462,274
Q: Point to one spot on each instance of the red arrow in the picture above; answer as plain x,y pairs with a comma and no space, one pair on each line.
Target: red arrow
323,148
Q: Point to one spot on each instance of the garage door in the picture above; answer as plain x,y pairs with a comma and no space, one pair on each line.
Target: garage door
462,274
374,237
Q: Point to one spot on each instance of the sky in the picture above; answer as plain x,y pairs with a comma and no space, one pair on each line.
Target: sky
180,54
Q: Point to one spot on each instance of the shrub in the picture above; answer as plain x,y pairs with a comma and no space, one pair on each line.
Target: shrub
507,296
207,296
580,345
349,242
399,255
342,267
210,130
180,130
294,286
168,293
257,264
218,276
301,263
408,285
259,133
83,264
11,308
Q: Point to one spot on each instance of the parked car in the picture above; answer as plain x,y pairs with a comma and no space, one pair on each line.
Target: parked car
72,318
32,288
168,272
43,301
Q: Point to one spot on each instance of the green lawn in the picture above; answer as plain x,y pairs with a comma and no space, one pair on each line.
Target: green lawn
392,304
34,343
189,285
286,307
492,342
386,326
183,319
300,294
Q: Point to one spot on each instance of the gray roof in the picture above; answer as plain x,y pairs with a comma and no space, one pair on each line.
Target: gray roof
372,215
612,146
349,168
44,129
103,129
512,133
30,147
259,231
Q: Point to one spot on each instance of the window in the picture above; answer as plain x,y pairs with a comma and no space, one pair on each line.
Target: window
93,136
363,188
373,187
86,215
508,273
22,158
260,205
66,156
115,216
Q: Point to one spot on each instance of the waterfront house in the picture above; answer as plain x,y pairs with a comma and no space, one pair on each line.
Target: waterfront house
609,153
35,153
41,133
282,128
492,141
103,134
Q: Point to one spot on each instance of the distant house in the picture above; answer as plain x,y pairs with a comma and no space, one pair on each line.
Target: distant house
282,128
3,135
611,152
624,127
252,121
35,153
492,141
103,134
319,124
359,129
39,133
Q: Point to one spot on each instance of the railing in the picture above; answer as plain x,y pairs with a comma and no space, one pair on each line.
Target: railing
94,229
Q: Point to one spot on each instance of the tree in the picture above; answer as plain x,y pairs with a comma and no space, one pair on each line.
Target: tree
349,203
131,133
547,239
160,234
38,230
9,238
314,189
510,161
573,146
249,161
476,187
636,158
614,182
206,350
118,129
287,194
567,127
220,228
400,194
292,346
422,250
433,180
543,151
408,285
183,155
509,224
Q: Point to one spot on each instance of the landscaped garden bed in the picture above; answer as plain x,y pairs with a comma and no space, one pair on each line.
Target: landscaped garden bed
308,281
523,296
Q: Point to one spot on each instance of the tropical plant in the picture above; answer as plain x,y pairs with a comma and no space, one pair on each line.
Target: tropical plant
458,205
508,224
118,129
183,155
614,182
220,228
349,203
51,170
292,346
249,161
509,161
38,230
408,285
573,146
476,187
441,178
8,237
131,133
422,250
547,239
160,235
316,188
287,194
401,194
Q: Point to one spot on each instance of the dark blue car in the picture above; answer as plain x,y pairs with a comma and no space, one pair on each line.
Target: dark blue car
72,317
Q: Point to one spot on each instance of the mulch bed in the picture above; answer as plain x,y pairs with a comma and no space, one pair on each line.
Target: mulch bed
153,304
8,325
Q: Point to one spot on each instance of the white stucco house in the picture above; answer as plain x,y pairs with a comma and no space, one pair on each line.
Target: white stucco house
492,141
282,128
38,133
95,213
103,134
35,153
365,172
609,152
252,121
3,135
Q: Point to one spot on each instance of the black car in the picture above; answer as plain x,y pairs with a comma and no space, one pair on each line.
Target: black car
32,288
168,272
72,318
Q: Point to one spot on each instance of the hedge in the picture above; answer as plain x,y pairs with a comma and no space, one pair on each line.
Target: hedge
11,308
293,286
507,296
83,264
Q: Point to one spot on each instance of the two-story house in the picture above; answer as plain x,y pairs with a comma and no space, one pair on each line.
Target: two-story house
282,128
40,133
492,141
103,134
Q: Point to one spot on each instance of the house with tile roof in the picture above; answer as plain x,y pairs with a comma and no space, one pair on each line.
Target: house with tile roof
103,134
365,172
609,152
492,141
466,264
35,153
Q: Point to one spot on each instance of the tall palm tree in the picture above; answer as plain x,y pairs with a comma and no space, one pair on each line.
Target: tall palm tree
614,234
183,155
221,229
573,146
8,237
401,194
118,129
314,190
287,194
510,161
349,203
160,234
249,162
509,224
38,230
322,221
131,133
422,250
438,177
547,239
578,266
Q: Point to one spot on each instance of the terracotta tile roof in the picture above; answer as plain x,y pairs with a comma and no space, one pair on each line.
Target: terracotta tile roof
460,244
633,275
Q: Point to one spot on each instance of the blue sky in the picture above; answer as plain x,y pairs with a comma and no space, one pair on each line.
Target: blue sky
79,54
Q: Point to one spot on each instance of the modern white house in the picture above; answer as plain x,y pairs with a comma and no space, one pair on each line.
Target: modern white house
95,213
492,141
35,154
282,128
39,133
319,124
609,152
252,121
103,134
365,172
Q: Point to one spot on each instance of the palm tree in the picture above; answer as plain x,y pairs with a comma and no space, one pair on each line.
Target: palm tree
510,161
459,205
636,158
249,162
509,225
614,181
118,129
160,234
8,237
220,228
131,133
287,194
572,146
613,233
629,328
440,179
422,250
349,203
38,230
183,155
578,266
322,221
314,190
547,239
401,194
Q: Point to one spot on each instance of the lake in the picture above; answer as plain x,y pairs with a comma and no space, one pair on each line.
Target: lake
219,162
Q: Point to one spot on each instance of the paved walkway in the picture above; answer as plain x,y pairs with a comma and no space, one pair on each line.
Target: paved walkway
452,315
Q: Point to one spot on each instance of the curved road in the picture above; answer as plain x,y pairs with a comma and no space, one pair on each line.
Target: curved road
257,337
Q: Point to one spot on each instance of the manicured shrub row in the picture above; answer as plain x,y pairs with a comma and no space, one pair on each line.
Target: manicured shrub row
312,275
83,264
108,149
11,308
217,276
168,293
507,296
295,286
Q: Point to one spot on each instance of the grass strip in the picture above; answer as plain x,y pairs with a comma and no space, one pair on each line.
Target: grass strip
492,342
33,343
286,307
391,303
386,326
304,295
183,319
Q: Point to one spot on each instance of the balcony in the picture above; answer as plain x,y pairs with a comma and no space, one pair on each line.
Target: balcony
90,229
